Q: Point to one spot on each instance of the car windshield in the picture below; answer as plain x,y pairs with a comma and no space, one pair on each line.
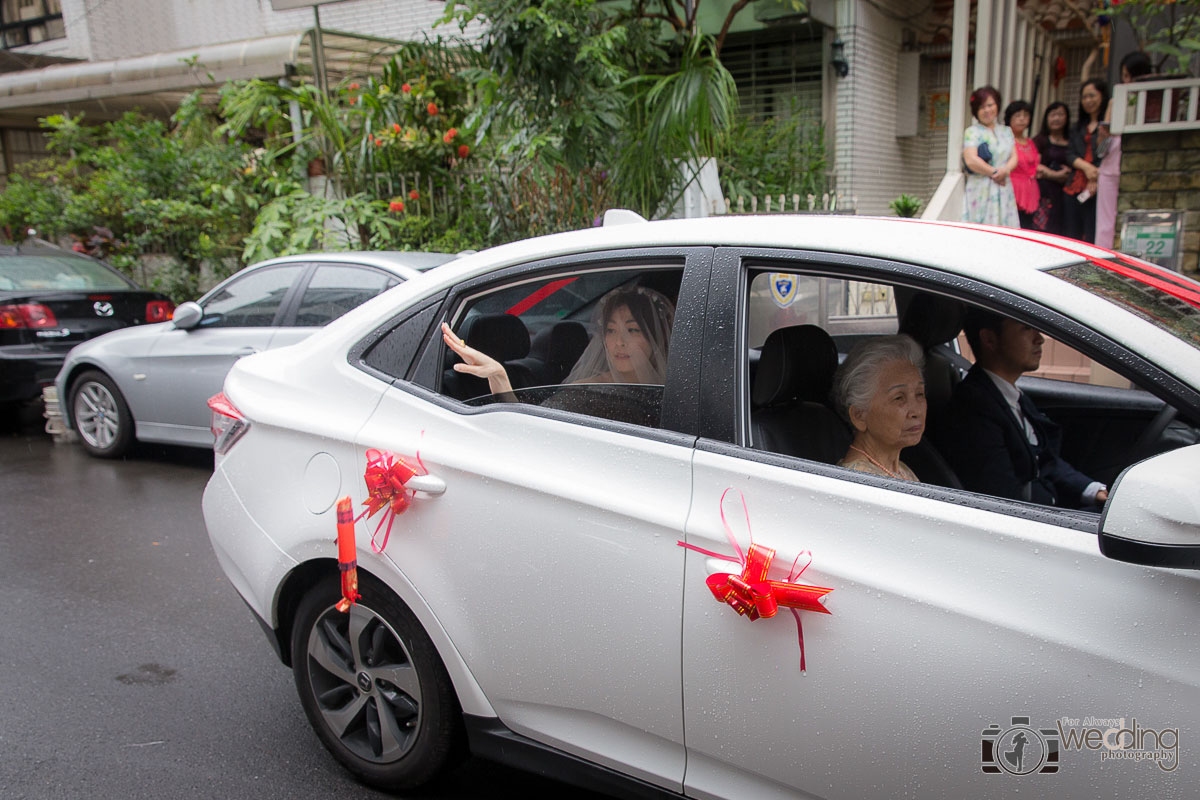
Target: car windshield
57,273
1166,299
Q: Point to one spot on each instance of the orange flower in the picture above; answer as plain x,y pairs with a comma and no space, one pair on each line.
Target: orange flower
432,109
396,206
404,87
396,127
414,195
355,86
450,134
379,142
353,100
463,151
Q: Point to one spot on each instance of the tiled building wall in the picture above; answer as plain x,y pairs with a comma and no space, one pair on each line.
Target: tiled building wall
873,164
1162,171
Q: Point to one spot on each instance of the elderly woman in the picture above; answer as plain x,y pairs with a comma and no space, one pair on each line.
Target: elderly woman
880,390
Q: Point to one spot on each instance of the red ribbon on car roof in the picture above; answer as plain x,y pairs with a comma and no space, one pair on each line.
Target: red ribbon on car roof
749,593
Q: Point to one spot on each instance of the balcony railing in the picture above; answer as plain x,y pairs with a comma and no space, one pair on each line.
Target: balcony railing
1145,107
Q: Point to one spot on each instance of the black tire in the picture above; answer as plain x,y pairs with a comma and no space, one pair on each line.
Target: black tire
100,415
399,734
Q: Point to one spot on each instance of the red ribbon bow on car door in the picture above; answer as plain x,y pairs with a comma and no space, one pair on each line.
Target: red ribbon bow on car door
386,476
749,593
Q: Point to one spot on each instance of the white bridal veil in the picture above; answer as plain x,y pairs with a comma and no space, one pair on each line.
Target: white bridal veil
615,354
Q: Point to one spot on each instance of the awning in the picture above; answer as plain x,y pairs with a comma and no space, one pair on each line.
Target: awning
157,82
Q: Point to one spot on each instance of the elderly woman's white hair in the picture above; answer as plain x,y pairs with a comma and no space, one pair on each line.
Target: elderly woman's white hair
855,380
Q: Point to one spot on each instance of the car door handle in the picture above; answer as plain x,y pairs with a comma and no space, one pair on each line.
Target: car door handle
246,351
429,484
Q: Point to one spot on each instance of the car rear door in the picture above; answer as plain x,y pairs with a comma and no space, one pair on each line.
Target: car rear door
968,638
551,558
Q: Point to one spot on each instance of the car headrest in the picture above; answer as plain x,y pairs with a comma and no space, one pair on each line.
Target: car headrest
568,340
796,362
502,336
931,319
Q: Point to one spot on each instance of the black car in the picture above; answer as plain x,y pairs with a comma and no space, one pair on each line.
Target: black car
51,300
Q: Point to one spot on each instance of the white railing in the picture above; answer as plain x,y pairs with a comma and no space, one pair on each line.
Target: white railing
1148,106
827,203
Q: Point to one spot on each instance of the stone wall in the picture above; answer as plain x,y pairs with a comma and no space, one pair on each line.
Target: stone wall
1162,171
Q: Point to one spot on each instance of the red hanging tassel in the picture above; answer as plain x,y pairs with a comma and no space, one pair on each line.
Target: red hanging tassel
347,554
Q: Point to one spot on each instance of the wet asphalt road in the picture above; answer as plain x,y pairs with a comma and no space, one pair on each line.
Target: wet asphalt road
130,666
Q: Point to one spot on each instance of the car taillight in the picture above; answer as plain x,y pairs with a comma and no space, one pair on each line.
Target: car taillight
159,310
228,424
27,315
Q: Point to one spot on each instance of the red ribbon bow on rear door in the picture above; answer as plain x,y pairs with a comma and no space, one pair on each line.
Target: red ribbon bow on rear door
386,476
750,593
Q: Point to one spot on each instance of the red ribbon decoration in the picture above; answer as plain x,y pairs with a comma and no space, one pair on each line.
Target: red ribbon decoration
750,594
386,476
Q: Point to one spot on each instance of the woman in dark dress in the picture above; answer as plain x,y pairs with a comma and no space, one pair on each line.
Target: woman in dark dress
1079,214
1053,172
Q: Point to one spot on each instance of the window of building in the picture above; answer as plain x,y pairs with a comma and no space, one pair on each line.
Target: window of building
21,146
778,71
25,22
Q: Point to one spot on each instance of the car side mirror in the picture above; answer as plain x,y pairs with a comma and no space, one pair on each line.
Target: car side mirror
1153,512
187,315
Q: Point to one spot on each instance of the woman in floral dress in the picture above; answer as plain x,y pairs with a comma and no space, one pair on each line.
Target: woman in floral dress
990,156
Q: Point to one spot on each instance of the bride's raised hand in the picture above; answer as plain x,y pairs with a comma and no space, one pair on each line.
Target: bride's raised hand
477,363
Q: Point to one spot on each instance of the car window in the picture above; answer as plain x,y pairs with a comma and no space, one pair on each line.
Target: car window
334,289
1169,301
1061,362
842,307
558,353
392,354
1078,428
250,300
58,273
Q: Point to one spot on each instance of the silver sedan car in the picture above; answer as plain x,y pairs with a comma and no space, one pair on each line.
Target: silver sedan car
151,383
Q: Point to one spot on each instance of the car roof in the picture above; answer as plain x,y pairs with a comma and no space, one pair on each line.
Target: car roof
407,264
976,251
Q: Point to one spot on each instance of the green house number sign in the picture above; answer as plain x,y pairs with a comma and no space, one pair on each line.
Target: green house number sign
1153,235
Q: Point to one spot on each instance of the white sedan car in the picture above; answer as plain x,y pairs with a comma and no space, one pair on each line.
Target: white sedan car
151,383
523,588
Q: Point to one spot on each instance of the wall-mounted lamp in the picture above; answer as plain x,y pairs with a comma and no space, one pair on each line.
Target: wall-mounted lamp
837,58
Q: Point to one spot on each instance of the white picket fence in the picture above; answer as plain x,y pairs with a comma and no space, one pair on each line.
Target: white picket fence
827,203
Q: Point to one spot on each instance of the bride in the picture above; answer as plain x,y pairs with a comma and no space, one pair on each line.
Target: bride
633,327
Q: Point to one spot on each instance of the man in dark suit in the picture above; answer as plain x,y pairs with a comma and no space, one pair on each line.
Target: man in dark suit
993,435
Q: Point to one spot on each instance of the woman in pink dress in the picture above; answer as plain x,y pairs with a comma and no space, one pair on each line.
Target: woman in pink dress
1024,178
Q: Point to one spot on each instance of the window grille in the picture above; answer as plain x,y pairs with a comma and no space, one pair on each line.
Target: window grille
25,22
773,67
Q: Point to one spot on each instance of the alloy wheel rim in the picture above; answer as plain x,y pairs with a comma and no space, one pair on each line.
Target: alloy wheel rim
364,683
96,415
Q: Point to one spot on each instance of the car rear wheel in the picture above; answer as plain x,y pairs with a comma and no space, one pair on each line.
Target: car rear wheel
373,686
101,415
